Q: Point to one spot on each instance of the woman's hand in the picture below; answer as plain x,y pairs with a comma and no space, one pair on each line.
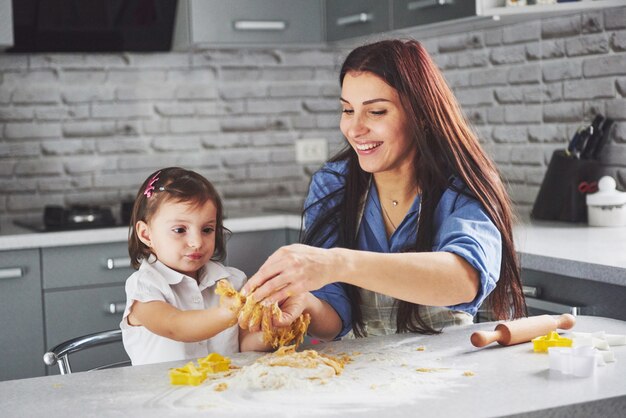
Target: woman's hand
292,270
291,308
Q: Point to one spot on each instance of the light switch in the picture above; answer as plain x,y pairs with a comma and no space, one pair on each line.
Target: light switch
311,150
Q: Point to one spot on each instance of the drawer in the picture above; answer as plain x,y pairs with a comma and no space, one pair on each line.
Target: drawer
347,19
85,265
254,21
73,313
21,344
407,13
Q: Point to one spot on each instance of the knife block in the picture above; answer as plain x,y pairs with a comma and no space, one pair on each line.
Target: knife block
559,198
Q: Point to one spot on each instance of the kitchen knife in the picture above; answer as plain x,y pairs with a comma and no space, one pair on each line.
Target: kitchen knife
587,151
578,141
522,330
606,131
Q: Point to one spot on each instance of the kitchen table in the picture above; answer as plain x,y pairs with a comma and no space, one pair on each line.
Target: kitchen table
395,376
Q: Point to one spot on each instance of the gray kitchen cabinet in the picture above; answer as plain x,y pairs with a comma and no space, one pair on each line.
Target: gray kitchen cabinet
560,291
352,18
75,312
6,24
247,251
21,344
407,13
85,265
83,288
247,22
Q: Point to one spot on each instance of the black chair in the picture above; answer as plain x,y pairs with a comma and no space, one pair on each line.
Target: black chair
59,354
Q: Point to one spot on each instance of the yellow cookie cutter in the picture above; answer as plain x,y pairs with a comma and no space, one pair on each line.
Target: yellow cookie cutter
187,375
553,339
214,363
193,375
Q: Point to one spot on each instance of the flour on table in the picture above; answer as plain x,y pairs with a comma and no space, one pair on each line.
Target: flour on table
377,377
289,370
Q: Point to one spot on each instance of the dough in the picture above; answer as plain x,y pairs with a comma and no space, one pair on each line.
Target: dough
289,369
252,313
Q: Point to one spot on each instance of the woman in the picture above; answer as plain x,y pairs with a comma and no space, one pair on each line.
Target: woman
408,229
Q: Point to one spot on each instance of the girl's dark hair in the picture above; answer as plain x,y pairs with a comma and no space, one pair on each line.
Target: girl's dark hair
173,184
446,146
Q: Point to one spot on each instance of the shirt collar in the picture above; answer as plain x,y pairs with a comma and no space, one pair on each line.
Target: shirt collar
212,273
374,216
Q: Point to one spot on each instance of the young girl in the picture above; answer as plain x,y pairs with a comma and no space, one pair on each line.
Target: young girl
176,243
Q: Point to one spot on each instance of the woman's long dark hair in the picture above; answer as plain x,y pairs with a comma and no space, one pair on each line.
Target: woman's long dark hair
446,146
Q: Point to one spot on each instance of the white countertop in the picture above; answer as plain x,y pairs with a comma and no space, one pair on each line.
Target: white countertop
13,237
384,379
596,245
572,250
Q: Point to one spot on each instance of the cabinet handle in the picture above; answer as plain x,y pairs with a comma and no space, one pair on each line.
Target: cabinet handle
425,4
115,307
11,273
118,263
552,307
275,25
531,291
354,19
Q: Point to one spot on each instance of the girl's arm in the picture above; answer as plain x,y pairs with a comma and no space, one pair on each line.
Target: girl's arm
165,320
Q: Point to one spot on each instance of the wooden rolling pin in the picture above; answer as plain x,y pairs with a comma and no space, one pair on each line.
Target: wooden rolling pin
522,330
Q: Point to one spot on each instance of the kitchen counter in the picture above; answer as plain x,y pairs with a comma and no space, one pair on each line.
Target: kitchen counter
574,250
389,375
13,237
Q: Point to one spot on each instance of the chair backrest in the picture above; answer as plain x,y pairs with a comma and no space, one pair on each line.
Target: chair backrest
59,354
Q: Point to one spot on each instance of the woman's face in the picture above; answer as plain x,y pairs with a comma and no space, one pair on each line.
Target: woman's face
375,124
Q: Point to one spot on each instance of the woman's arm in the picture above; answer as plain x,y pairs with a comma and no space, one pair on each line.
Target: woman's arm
434,278
428,278
165,320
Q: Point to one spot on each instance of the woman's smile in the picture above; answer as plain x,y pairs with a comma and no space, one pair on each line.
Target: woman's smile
366,148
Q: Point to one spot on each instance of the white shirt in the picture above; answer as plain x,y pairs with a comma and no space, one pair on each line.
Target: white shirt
156,281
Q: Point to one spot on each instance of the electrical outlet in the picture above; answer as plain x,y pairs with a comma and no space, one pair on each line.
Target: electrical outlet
311,150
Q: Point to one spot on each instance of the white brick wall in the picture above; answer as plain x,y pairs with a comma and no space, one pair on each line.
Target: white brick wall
541,81
81,128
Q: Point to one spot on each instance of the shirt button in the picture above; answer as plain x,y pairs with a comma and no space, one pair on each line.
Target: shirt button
197,299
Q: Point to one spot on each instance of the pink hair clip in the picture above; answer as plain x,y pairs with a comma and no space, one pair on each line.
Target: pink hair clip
150,186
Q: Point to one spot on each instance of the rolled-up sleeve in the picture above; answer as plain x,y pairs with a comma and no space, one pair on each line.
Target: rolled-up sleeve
324,183
335,295
468,232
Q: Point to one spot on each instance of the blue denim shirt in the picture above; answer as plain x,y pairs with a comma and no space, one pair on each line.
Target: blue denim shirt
462,227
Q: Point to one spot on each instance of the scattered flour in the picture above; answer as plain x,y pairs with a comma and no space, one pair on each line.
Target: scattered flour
376,379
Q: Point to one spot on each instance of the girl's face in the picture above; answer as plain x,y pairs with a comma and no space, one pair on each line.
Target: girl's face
181,235
375,124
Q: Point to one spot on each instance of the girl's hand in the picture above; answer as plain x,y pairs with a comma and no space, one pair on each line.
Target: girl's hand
291,271
229,297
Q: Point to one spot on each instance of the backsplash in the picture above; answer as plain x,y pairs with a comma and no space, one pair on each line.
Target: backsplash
89,128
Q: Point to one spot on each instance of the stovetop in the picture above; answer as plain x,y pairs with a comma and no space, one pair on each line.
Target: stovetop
75,217
39,226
